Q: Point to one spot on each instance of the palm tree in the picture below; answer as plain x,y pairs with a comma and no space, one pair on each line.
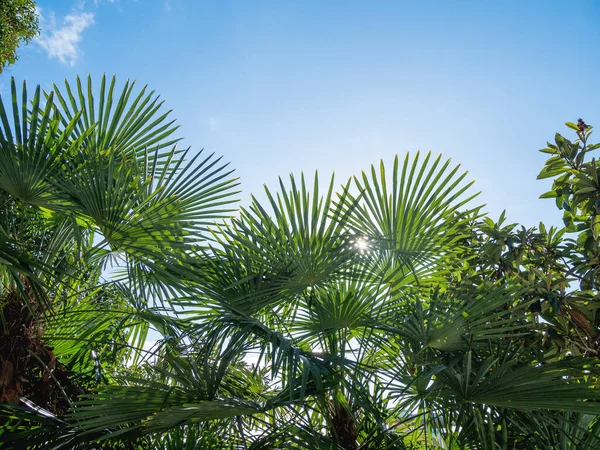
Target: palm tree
361,317
100,215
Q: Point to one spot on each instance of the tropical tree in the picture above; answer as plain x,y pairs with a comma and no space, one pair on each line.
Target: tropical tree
387,313
18,23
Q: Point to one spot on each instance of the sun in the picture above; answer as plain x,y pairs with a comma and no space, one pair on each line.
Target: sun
362,244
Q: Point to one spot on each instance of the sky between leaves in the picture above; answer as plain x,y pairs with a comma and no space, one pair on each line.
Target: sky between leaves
279,87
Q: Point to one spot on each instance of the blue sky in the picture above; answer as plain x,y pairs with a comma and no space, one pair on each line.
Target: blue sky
279,87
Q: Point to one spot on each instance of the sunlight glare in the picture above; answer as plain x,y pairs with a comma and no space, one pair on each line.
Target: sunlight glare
362,244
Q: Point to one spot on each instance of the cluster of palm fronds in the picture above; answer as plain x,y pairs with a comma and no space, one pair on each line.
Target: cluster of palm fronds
385,313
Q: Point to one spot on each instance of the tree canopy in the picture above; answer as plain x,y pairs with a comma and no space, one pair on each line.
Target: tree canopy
386,312
18,24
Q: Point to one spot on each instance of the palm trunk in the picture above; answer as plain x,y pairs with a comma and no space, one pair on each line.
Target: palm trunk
28,367
343,427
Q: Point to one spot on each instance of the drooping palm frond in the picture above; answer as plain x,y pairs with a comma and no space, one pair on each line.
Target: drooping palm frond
293,435
148,410
106,329
561,431
226,337
452,321
32,425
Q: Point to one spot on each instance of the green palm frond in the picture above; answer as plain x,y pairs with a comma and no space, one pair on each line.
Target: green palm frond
124,123
451,321
557,385
561,431
214,435
105,329
152,215
293,436
30,148
148,410
226,337
142,215
416,221
36,427
347,304
303,240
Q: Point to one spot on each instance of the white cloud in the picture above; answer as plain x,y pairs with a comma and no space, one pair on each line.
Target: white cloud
62,42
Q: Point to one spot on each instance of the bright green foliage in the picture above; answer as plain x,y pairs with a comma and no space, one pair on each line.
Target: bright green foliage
18,23
69,211
577,192
385,313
